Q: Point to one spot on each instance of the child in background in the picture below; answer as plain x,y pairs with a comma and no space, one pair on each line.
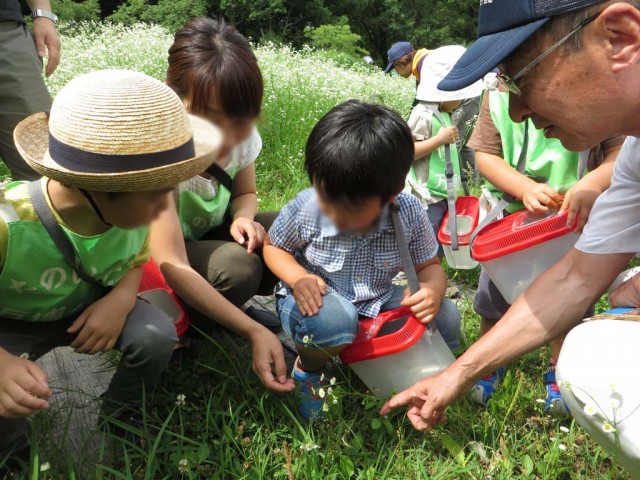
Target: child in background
498,142
407,61
334,246
427,178
115,144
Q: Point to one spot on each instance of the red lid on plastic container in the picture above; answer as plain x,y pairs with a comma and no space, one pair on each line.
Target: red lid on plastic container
152,279
467,213
383,344
518,232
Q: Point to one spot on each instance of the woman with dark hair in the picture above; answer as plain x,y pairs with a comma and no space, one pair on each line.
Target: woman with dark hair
209,246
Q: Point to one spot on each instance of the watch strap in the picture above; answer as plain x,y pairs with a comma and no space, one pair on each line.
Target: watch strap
44,13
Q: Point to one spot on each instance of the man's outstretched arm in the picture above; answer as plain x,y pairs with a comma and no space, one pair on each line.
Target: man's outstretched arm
550,307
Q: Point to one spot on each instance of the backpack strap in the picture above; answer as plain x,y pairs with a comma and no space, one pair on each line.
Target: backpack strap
451,194
405,254
221,176
583,160
56,233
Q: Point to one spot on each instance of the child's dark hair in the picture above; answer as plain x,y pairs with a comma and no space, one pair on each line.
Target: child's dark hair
359,151
211,60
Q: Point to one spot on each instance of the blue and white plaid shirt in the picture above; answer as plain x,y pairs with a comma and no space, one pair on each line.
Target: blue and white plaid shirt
359,268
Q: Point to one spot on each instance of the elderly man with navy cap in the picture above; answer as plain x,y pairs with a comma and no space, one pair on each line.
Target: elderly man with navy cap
573,68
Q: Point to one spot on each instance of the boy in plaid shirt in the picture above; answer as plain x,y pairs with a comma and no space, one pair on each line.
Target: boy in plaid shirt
334,246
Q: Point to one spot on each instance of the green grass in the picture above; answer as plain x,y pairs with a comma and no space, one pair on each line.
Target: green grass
230,427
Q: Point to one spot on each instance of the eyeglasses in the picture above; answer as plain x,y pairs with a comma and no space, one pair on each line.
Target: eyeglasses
510,83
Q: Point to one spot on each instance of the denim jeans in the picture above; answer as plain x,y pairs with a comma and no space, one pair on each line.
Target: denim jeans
337,321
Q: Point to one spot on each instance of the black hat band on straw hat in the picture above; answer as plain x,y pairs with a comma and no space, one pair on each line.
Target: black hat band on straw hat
78,160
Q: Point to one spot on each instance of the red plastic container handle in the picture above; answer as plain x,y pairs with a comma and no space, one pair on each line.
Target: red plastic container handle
366,348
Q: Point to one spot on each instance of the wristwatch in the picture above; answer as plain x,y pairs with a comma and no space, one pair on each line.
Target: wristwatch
44,13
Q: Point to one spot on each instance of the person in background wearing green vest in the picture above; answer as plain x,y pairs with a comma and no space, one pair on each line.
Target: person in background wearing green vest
551,171
407,61
427,178
208,244
114,145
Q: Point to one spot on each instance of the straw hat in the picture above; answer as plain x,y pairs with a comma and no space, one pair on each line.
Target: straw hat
435,67
117,131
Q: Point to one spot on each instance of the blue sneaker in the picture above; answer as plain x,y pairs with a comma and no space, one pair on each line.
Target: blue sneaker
484,389
555,404
308,385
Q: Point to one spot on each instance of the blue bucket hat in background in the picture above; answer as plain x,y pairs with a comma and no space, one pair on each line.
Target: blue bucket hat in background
503,25
397,50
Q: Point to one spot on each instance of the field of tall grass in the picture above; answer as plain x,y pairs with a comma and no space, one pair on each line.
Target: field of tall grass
211,418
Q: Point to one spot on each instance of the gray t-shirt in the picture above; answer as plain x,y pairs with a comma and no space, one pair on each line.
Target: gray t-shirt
614,223
11,11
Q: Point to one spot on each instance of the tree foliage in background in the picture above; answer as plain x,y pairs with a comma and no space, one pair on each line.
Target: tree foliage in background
337,37
378,23
425,23
88,10
169,13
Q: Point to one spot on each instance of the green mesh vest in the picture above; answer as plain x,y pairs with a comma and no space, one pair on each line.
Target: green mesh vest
36,282
430,170
546,157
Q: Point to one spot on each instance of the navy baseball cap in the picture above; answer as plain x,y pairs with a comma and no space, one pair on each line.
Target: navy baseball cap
397,50
503,25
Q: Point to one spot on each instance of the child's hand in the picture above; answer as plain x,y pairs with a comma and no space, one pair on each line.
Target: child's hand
101,323
579,201
23,387
541,198
308,292
248,232
449,135
424,304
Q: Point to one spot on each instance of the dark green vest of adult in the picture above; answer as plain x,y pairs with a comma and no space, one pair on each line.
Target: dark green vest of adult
11,11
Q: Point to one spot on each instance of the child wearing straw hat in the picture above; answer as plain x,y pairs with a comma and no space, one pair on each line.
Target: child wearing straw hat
72,245
427,177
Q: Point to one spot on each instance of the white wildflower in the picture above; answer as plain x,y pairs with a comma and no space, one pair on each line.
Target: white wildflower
590,409
183,465
562,447
564,429
307,447
608,428
181,400
332,381
321,393
45,467
541,400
